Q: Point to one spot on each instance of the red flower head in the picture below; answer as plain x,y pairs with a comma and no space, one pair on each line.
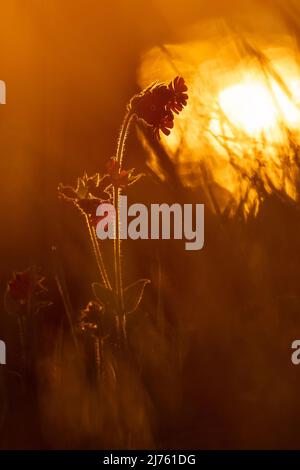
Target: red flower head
179,97
120,178
87,195
20,287
90,318
157,103
26,288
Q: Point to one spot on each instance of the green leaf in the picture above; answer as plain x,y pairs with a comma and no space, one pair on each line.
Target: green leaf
133,295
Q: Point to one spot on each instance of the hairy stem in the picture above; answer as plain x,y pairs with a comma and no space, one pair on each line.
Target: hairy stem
117,250
98,254
122,138
116,202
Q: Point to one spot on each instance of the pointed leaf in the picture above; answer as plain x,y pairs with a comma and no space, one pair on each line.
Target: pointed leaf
66,192
134,179
104,295
133,295
80,188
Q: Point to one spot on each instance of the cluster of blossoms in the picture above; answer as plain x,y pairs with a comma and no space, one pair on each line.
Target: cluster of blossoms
24,284
157,104
156,107
91,191
104,317
25,292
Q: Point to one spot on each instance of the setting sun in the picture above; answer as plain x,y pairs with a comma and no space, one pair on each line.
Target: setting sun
257,108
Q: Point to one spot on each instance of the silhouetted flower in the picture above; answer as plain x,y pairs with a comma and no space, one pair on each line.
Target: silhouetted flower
90,318
120,179
89,193
25,289
179,98
20,286
156,104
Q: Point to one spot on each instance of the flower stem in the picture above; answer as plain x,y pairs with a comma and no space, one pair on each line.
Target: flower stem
117,250
122,138
22,342
98,359
98,254
64,293
116,202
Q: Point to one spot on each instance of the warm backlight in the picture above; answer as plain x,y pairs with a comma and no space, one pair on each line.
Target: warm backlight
258,109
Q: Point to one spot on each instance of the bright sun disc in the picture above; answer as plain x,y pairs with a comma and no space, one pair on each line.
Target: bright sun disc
256,108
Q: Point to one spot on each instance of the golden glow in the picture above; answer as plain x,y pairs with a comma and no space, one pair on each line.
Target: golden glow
248,106
257,108
242,120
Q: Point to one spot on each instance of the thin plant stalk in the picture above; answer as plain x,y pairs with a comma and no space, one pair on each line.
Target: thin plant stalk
116,202
97,346
62,289
67,304
58,355
117,250
98,254
122,138
22,341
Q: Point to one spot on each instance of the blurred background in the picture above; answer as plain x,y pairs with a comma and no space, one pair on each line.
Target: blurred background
70,69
